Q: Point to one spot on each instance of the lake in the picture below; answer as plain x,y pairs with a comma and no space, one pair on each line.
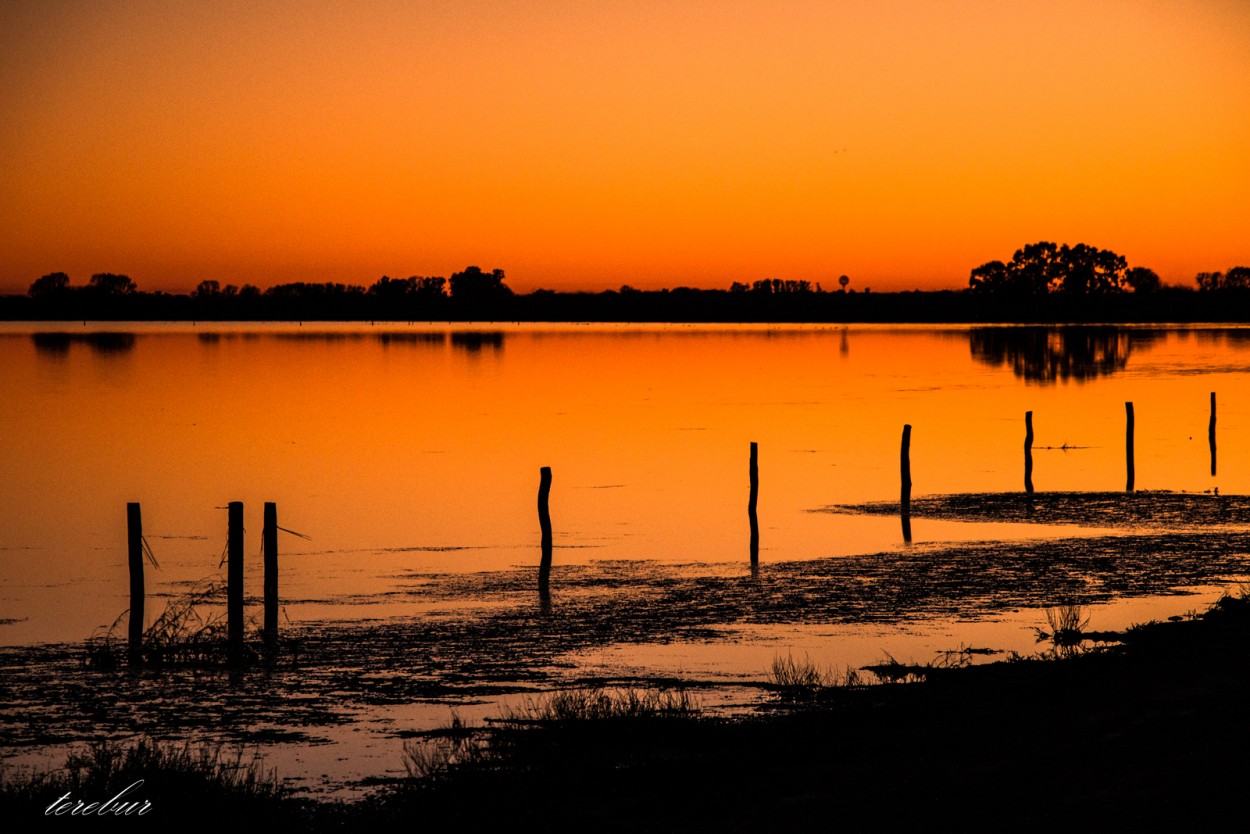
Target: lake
408,457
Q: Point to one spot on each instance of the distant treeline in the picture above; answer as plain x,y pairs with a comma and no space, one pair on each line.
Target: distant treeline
1043,283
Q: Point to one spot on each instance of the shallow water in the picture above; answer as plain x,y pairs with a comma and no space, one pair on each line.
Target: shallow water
409,455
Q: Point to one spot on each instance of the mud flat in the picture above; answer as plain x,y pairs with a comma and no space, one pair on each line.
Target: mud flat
1138,722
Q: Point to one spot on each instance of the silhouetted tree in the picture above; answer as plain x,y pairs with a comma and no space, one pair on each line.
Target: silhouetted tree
108,283
993,278
391,288
1142,280
413,286
776,286
53,284
207,289
1086,270
474,285
1209,281
1236,278
1044,267
431,287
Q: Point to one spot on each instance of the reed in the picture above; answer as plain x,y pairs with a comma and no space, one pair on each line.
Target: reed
598,704
190,632
190,772
803,678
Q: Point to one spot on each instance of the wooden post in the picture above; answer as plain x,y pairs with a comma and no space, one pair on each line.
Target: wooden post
234,580
1128,445
544,522
134,542
1211,434
905,479
1028,452
753,501
269,542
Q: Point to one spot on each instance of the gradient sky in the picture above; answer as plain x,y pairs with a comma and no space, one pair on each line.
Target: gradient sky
590,144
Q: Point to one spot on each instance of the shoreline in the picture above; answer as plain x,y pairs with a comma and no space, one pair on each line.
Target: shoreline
1146,730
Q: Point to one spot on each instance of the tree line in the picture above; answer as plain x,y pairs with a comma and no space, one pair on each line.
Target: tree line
1042,282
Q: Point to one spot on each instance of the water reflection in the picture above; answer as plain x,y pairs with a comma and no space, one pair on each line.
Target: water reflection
411,339
474,342
105,344
1045,355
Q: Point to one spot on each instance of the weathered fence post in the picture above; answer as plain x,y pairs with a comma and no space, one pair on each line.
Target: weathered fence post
234,580
1028,452
544,522
134,542
269,543
1211,434
905,478
1128,445
752,501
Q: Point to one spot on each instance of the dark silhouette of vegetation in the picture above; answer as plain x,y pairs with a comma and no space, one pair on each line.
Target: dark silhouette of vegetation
775,286
1042,268
108,283
473,286
1140,279
1043,283
1237,278
52,285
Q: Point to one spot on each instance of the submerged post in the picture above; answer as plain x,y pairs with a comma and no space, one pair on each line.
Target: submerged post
544,522
269,543
1128,445
134,543
1211,434
234,580
1028,452
905,479
752,501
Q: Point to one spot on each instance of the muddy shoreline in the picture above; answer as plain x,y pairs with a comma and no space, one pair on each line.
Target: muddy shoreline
332,672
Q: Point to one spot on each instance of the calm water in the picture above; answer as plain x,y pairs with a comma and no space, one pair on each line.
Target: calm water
418,448
409,453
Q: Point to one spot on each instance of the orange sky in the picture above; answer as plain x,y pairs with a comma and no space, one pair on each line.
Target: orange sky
589,144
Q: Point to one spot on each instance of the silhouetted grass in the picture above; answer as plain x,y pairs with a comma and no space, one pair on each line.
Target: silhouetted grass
190,632
583,711
1067,624
803,679
597,704
171,778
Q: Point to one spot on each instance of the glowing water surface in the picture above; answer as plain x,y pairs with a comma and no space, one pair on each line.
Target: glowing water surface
409,453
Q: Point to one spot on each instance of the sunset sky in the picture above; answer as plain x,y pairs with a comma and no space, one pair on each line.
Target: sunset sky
585,145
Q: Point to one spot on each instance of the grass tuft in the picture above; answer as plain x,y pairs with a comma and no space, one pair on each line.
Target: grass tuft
796,679
431,758
186,774
182,636
572,715
1067,626
598,704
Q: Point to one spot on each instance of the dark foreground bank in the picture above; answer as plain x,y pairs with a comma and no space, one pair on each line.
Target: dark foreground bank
1147,732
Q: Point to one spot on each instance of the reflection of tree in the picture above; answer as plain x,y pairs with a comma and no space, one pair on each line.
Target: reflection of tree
412,339
1048,354
473,342
103,343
